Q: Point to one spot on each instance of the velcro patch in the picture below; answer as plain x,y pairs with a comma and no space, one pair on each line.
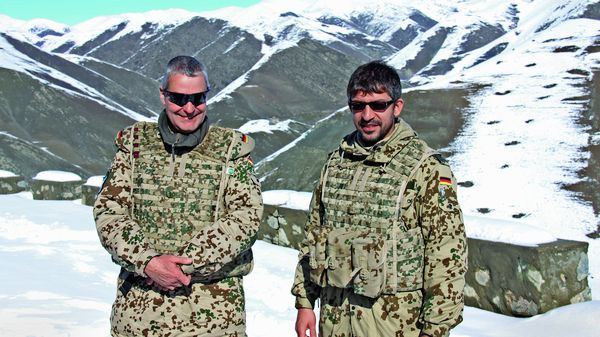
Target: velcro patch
445,181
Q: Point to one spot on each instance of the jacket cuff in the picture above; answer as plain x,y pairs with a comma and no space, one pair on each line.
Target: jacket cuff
304,303
142,261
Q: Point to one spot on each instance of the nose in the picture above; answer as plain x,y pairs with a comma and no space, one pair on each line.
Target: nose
367,114
189,107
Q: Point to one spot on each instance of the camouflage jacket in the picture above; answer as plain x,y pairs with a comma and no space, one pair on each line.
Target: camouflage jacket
213,232
428,206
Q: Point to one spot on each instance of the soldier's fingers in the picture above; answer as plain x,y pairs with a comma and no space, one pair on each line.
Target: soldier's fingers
313,330
181,260
188,279
301,329
184,279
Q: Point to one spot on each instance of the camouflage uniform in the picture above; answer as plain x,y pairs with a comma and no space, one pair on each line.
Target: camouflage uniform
385,249
205,204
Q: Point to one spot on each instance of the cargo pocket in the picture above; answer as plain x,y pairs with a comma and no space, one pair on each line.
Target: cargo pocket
339,258
405,260
369,257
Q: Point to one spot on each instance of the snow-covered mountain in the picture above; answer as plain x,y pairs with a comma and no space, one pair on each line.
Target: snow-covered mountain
505,89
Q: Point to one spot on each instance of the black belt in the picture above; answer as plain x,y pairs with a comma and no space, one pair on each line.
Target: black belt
130,279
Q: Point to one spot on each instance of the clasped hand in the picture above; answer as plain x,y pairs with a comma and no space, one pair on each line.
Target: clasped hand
164,272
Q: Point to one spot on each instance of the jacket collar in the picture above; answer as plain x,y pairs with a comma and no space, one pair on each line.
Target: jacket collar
383,151
181,140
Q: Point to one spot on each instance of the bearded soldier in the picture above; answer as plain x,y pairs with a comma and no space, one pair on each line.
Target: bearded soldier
385,251
179,211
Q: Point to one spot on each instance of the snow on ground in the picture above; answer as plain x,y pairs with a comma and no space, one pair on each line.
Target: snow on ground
513,232
52,175
58,281
6,174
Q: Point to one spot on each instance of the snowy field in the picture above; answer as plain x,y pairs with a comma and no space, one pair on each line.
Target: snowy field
58,281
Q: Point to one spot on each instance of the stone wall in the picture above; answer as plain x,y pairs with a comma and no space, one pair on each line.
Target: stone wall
90,189
88,194
525,281
282,226
503,278
46,189
56,190
12,184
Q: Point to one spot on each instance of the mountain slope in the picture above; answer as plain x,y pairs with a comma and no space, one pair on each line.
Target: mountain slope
502,87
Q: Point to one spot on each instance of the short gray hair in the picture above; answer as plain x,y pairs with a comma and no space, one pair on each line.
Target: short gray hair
185,65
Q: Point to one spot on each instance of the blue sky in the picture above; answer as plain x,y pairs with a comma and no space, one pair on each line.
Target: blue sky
75,11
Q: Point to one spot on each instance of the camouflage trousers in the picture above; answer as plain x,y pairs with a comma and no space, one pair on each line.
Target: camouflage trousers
345,314
210,310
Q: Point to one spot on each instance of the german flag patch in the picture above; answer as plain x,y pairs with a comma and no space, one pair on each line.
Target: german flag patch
445,181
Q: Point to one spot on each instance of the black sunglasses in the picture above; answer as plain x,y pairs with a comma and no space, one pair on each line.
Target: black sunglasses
182,99
375,106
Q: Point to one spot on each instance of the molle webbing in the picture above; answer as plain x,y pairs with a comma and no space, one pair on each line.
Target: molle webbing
173,206
368,194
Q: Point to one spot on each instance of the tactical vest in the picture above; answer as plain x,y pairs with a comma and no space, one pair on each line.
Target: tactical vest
362,242
176,196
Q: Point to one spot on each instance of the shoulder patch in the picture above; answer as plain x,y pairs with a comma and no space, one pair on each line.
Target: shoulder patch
445,181
244,144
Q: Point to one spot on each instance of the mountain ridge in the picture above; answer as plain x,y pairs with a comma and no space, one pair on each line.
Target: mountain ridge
502,63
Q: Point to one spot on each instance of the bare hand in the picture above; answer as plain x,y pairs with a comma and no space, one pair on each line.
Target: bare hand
306,321
154,284
164,272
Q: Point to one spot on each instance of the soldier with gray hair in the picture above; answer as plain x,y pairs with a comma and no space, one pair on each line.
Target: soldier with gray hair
179,211
385,251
